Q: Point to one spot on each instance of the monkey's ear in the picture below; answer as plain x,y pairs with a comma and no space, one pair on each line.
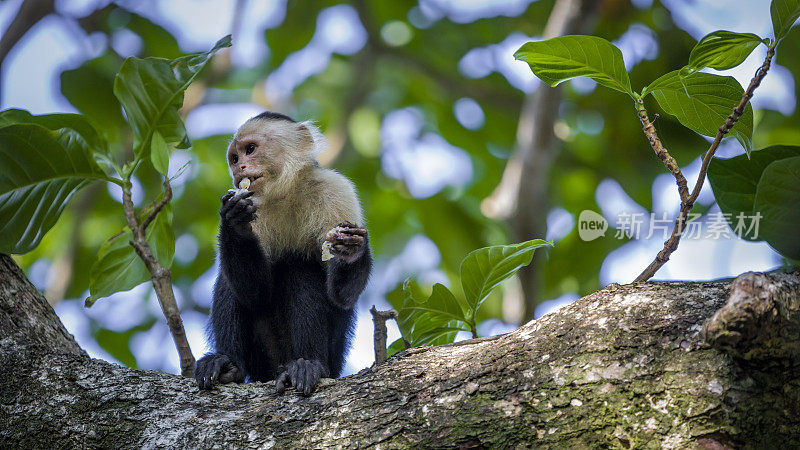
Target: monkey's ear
317,142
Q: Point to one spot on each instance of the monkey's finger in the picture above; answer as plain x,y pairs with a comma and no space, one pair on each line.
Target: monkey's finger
226,197
347,239
310,381
217,369
355,231
242,195
281,382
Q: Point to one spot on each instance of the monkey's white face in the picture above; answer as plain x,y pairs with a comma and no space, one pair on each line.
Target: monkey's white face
268,152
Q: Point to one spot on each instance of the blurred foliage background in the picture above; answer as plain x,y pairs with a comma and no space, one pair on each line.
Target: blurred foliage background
422,102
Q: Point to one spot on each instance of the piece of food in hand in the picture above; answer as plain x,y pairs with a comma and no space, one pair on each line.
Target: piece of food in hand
326,250
327,245
245,183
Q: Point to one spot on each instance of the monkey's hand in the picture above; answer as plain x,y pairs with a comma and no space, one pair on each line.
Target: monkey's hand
217,368
303,374
347,241
238,210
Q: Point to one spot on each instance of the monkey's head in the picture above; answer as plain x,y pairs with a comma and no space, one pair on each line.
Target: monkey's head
271,149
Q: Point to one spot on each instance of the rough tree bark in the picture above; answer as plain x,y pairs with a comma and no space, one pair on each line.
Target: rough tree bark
627,366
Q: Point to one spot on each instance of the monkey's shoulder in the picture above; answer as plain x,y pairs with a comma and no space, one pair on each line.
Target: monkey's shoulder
337,197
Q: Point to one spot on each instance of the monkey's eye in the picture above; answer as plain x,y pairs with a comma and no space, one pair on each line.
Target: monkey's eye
234,159
250,148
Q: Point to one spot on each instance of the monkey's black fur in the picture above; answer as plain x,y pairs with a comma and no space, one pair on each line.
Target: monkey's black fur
288,317
271,115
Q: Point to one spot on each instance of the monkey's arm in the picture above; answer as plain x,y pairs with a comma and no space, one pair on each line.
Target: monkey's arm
243,266
348,271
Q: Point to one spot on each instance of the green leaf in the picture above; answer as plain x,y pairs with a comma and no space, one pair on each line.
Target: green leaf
441,303
73,125
734,181
565,57
42,170
159,153
702,102
397,346
778,201
119,268
98,104
484,269
427,319
151,92
722,50
784,15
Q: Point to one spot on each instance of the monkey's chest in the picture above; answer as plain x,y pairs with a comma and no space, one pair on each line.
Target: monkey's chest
283,230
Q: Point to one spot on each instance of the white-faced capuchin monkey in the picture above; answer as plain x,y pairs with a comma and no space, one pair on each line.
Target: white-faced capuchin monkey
294,258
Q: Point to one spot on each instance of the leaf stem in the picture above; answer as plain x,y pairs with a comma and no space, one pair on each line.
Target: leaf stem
671,244
160,275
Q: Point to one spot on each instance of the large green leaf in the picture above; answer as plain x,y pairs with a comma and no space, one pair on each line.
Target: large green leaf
784,15
722,50
702,102
778,202
151,92
427,319
559,59
74,125
119,268
735,180
41,171
484,269
98,104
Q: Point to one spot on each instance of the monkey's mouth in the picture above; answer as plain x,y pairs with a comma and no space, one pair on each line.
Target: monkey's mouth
252,179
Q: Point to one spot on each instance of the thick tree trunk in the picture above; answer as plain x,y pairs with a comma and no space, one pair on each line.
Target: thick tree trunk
628,366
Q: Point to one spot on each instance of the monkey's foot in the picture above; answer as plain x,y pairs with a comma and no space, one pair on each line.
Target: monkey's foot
346,241
303,374
217,368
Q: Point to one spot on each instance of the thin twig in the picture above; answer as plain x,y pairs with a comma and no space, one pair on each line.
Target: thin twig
379,319
671,244
161,278
661,151
160,205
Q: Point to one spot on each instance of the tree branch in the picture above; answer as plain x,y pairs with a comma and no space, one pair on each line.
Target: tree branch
160,276
671,244
160,205
379,335
522,196
626,364
662,152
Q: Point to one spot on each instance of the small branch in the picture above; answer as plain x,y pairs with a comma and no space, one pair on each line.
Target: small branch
160,205
661,151
160,276
379,319
671,244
